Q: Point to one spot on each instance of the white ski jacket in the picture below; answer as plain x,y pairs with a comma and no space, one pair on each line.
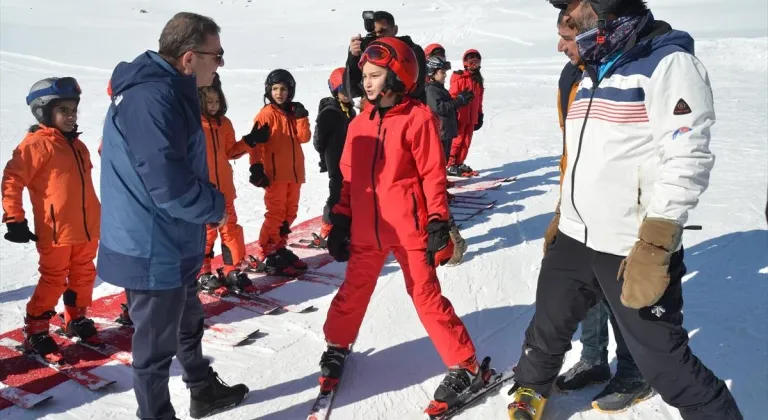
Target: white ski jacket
638,143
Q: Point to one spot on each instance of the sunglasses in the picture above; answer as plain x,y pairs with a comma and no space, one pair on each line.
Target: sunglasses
217,56
66,86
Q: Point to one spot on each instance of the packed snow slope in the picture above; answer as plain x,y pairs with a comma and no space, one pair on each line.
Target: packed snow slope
396,368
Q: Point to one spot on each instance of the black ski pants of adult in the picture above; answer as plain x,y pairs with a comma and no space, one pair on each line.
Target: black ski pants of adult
167,323
572,279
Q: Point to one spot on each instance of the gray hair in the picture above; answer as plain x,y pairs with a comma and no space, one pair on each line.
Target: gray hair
185,32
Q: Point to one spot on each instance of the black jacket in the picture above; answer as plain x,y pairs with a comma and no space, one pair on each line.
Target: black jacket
330,133
353,76
444,107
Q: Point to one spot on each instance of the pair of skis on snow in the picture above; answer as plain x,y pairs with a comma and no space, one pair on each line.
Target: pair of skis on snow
321,408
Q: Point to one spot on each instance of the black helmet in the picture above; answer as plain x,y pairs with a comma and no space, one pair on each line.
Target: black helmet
280,76
604,7
561,4
436,63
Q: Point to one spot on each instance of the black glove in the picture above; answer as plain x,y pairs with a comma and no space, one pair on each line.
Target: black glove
323,165
299,111
19,233
338,237
439,244
479,124
465,97
258,177
258,135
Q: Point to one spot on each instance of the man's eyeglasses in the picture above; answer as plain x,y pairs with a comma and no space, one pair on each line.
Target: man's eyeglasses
218,56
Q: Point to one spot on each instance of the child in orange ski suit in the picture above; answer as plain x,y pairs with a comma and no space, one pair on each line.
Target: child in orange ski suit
55,167
278,166
221,147
470,117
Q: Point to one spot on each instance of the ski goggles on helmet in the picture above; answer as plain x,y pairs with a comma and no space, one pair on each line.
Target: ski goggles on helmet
65,87
337,88
381,55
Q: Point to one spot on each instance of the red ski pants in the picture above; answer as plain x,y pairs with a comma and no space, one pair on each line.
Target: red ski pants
460,145
436,313
282,201
64,270
232,242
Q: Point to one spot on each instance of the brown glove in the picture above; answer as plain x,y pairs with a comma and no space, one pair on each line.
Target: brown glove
551,232
646,268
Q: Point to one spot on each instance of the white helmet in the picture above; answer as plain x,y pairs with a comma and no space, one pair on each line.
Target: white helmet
50,89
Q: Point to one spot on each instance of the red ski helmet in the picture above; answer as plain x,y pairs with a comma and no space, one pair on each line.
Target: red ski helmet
336,80
398,57
471,63
434,49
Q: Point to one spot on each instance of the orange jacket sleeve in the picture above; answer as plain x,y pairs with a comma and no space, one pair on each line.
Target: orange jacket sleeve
430,164
235,149
303,132
257,152
345,166
21,168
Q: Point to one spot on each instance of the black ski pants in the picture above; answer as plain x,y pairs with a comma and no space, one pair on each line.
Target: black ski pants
573,278
334,195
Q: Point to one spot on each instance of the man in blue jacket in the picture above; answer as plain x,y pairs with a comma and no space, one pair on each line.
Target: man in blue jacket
157,202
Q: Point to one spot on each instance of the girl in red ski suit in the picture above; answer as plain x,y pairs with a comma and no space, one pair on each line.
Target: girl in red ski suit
470,117
393,199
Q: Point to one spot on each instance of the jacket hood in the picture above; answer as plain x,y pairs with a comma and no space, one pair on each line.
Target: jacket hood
147,68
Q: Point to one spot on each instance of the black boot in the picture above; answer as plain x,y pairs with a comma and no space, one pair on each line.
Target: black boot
82,327
36,334
331,367
453,170
583,373
215,396
124,318
620,394
209,281
457,382
238,280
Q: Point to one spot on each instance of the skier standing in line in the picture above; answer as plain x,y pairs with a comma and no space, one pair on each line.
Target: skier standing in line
470,117
628,386
277,166
622,217
445,108
55,167
393,200
221,147
333,117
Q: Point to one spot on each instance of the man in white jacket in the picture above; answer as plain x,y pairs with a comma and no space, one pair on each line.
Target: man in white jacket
637,137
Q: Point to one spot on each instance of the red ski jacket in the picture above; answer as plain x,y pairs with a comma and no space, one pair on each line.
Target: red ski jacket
394,177
462,80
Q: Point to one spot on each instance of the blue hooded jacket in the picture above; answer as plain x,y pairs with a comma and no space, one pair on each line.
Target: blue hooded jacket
155,193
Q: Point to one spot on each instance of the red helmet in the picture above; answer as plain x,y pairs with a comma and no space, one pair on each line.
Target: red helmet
474,63
434,49
398,57
336,80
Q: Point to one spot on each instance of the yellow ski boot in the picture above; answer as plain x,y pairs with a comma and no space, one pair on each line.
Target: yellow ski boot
527,404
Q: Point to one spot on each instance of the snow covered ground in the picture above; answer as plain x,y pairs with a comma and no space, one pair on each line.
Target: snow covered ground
396,369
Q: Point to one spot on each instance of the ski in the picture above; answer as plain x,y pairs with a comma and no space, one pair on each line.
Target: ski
321,408
21,398
95,343
57,361
472,206
289,307
471,199
464,216
494,382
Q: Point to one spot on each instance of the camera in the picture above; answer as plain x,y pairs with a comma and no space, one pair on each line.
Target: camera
369,21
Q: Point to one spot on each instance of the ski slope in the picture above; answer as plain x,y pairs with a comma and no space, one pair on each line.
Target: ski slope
395,368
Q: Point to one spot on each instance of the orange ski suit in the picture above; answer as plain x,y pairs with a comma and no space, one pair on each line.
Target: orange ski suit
221,147
57,173
283,162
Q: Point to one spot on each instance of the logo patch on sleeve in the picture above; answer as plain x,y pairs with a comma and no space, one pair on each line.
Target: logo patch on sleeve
680,131
682,107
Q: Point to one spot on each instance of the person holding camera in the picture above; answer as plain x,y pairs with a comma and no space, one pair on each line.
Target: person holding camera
380,24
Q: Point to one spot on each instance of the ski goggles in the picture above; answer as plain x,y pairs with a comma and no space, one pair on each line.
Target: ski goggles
382,55
65,87
338,88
